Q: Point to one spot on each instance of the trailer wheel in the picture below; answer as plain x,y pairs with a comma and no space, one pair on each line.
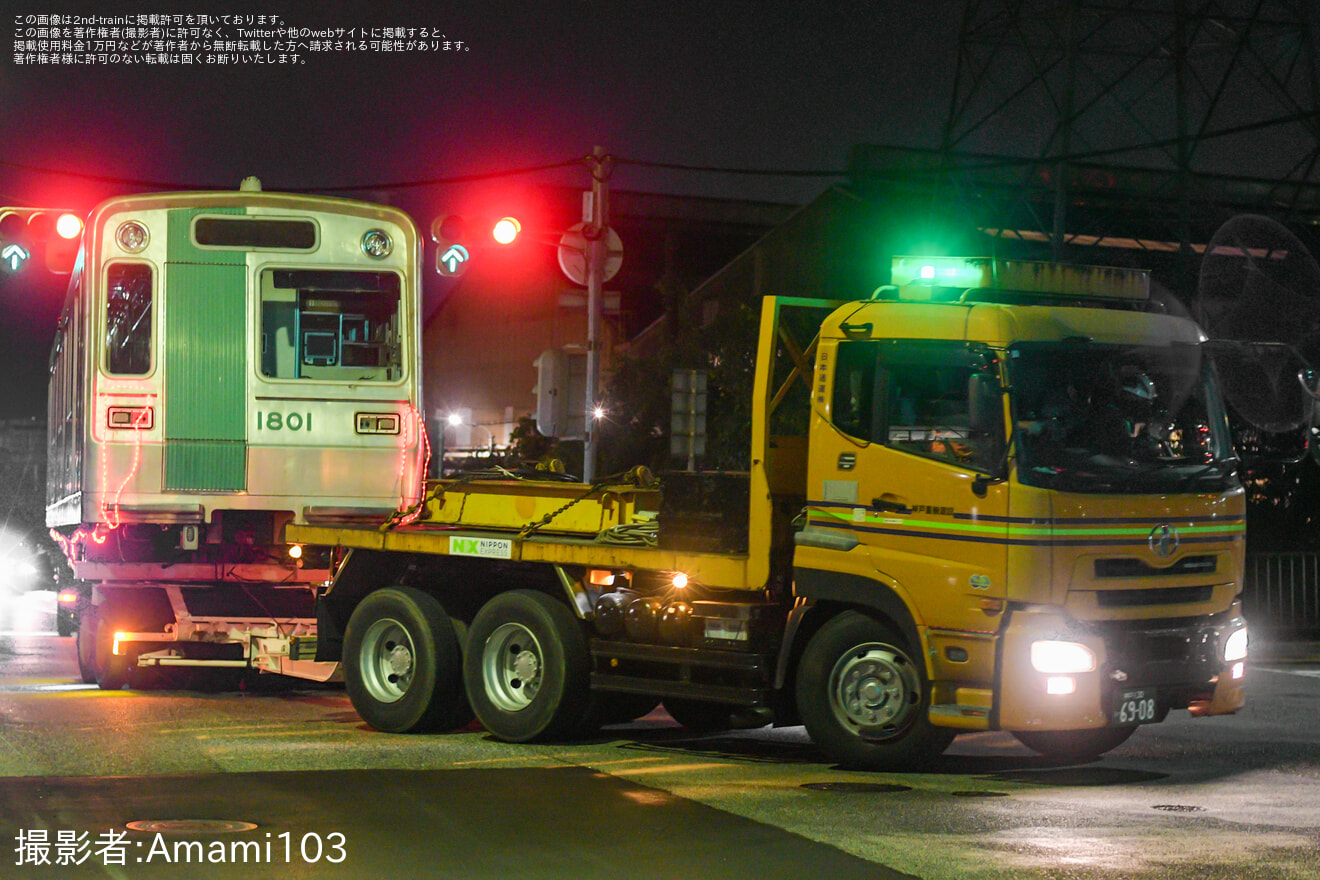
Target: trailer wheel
863,698
111,668
1074,745
527,669
402,661
85,642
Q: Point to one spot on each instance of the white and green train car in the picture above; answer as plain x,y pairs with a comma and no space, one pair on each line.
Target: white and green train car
227,363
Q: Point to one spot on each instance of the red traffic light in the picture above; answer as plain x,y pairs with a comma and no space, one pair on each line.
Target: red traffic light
505,230
68,226
24,230
458,237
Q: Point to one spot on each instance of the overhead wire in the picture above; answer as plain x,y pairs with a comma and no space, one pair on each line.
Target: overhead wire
586,161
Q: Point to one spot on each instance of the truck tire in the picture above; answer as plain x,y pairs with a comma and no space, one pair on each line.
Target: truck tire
111,668
527,669
1074,746
402,662
85,642
863,698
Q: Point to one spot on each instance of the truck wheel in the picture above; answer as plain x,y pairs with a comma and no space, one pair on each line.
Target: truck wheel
863,699
111,668
401,662
85,642
1074,745
527,669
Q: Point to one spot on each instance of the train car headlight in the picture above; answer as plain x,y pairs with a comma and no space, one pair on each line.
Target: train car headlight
132,236
1061,658
1235,646
377,244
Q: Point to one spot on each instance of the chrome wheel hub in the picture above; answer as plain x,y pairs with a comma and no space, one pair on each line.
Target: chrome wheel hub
386,660
512,667
874,689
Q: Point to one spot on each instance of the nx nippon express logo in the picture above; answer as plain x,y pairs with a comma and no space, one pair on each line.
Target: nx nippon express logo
488,548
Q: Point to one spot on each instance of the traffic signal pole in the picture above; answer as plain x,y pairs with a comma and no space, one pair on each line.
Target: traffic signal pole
596,225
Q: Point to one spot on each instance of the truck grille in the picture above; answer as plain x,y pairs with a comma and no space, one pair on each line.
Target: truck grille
1130,567
1155,596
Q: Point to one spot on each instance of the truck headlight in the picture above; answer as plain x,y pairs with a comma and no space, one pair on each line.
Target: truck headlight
1061,658
1235,646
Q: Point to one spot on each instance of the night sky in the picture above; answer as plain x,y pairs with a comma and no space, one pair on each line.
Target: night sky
748,85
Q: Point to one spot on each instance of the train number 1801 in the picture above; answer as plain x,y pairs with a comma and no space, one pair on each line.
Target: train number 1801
279,421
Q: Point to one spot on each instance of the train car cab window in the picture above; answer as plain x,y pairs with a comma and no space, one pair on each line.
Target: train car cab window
128,297
335,325
916,397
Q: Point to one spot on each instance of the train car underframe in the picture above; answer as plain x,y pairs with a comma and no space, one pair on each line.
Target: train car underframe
229,624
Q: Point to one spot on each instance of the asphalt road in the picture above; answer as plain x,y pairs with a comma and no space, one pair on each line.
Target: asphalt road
325,796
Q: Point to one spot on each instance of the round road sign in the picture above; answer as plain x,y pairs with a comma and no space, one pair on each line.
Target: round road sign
573,254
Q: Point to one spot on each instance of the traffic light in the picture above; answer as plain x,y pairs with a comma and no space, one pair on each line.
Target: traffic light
27,232
561,382
458,238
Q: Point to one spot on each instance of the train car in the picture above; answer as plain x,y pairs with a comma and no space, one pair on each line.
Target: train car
226,363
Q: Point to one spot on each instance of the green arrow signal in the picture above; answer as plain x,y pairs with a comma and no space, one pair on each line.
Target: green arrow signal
14,256
453,260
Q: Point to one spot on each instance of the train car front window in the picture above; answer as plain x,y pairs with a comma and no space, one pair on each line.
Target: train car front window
128,319
336,325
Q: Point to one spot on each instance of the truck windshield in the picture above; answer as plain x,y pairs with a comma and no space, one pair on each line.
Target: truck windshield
1118,419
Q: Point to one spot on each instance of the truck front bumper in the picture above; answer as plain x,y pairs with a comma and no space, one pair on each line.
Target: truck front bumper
1139,670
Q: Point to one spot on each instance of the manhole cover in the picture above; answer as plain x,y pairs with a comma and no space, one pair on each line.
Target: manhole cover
977,794
190,826
857,787
1178,808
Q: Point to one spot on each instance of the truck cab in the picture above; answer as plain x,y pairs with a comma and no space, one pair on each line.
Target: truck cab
1030,474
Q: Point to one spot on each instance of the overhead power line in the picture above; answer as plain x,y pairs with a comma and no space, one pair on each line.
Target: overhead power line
433,181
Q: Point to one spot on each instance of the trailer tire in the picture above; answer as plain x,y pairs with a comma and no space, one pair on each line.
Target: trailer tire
111,669
864,699
528,669
402,662
85,643
1074,746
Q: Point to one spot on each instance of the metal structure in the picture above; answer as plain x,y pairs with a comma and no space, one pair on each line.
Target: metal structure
1281,594
1143,123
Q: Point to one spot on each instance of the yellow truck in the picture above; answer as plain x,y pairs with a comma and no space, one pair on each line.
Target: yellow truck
995,495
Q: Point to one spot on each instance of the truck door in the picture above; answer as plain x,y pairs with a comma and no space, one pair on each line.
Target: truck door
906,466
205,409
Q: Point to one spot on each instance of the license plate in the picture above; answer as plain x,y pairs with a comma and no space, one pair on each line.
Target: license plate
1134,707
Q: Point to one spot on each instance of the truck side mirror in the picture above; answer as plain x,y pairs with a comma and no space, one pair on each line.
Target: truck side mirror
985,410
984,404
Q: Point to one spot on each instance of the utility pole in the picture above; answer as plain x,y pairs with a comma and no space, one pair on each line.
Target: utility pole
596,219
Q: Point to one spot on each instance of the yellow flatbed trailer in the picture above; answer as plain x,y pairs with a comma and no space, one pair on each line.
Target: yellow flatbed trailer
579,537
996,496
